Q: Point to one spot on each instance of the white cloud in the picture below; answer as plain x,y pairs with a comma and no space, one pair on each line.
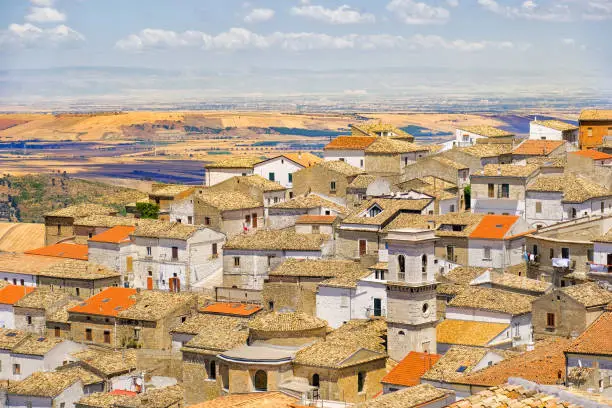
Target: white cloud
45,15
240,38
568,41
258,15
42,3
452,3
342,15
413,12
529,10
598,10
30,36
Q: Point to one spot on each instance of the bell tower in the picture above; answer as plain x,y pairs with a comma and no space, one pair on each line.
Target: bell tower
411,292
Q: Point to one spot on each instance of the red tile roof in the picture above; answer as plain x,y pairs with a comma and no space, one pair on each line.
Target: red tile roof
494,226
409,371
350,143
593,154
596,339
62,250
115,235
123,392
10,294
231,309
109,302
316,219
538,147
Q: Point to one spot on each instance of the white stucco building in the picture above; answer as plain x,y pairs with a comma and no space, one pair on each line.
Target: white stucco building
224,169
349,149
553,130
281,168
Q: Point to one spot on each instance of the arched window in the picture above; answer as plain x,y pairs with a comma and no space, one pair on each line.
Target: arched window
360,381
261,381
401,333
424,266
212,373
315,380
401,262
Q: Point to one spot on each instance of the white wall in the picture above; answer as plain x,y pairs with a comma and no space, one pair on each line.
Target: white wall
588,208
552,210
216,176
355,158
113,256
7,317
601,251
502,255
15,278
539,132
520,325
463,138
179,340
334,305
281,167
182,210
449,205
367,290
6,367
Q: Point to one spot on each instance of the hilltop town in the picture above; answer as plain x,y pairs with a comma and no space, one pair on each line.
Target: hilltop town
376,272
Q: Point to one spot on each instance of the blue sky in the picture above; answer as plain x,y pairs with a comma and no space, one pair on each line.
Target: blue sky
564,43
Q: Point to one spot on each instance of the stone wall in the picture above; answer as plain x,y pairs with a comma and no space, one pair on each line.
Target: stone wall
64,330
38,318
318,179
97,324
58,229
570,316
78,287
296,293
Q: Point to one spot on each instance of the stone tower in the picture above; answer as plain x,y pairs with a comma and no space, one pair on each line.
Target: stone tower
411,292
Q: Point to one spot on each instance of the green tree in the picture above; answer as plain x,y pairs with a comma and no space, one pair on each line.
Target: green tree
148,210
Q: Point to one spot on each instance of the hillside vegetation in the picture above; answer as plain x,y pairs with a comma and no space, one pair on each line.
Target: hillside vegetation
34,195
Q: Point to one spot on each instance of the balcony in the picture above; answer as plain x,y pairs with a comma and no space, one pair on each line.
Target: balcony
564,264
599,268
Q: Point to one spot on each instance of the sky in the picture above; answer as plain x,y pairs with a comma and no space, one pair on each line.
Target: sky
212,48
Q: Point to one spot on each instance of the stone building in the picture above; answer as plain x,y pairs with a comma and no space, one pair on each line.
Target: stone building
31,311
224,169
328,178
468,135
317,224
388,157
357,191
539,148
267,192
284,215
601,267
476,157
417,396
348,149
164,195
9,296
56,321
115,367
88,227
249,258
379,129
568,311
59,224
553,130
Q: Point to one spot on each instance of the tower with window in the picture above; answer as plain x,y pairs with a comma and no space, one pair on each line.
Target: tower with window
411,292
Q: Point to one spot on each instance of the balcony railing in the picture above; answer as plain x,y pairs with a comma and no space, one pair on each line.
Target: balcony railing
600,268
564,263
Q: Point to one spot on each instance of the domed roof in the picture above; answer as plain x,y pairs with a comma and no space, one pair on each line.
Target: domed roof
286,322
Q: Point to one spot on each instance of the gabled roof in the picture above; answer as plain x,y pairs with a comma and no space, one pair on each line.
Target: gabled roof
164,229
304,159
508,170
387,145
107,221
109,302
449,163
413,397
311,201
556,125
36,346
270,399
596,114
362,181
81,210
341,167
316,219
389,206
455,363
114,235
512,281
482,150
494,227
153,305
51,383
277,240
235,162
487,131
532,147
228,200
10,338
468,333
264,184
321,268
286,322
593,154
408,372
350,143
575,189
170,190
589,294
43,298
62,250
596,339
495,300
374,128
11,294
214,333
108,362
231,309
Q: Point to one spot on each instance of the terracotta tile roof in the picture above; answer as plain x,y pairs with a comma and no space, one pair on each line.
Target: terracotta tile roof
170,190
77,269
231,309
487,131
82,210
164,229
467,221
607,237
153,305
107,221
311,201
60,315
109,302
51,383
465,274
593,154
277,240
375,128
455,363
316,219
10,294
468,333
542,365
482,150
43,298
596,339
589,294
496,300
512,281
450,163
36,346
101,400
548,162
62,250
380,266
262,183
214,333
412,397
108,363
286,322
556,125
322,268
114,235
532,147
575,189
235,162
346,280
362,181
341,167
304,159
596,114
387,145
271,399
389,206
408,220
228,200
508,170
336,350
165,397
350,143
9,338
408,372
494,227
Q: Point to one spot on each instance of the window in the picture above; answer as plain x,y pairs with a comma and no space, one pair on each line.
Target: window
149,252
550,319
602,207
374,211
401,333
538,207
452,208
290,177
29,319
254,218
78,291
224,371
271,176
236,261
59,230
332,186
551,253
107,336
247,219
565,253
363,247
361,163
424,267
590,255
136,334
316,229
206,220
487,253
214,249
401,263
89,235
260,381
88,335
174,252
315,380
129,263
491,190
212,371
270,305
572,213
341,159
14,281
377,307
189,219
589,132
179,220
16,369
535,250
505,190
58,331
450,253
270,257
360,381
405,161
275,200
